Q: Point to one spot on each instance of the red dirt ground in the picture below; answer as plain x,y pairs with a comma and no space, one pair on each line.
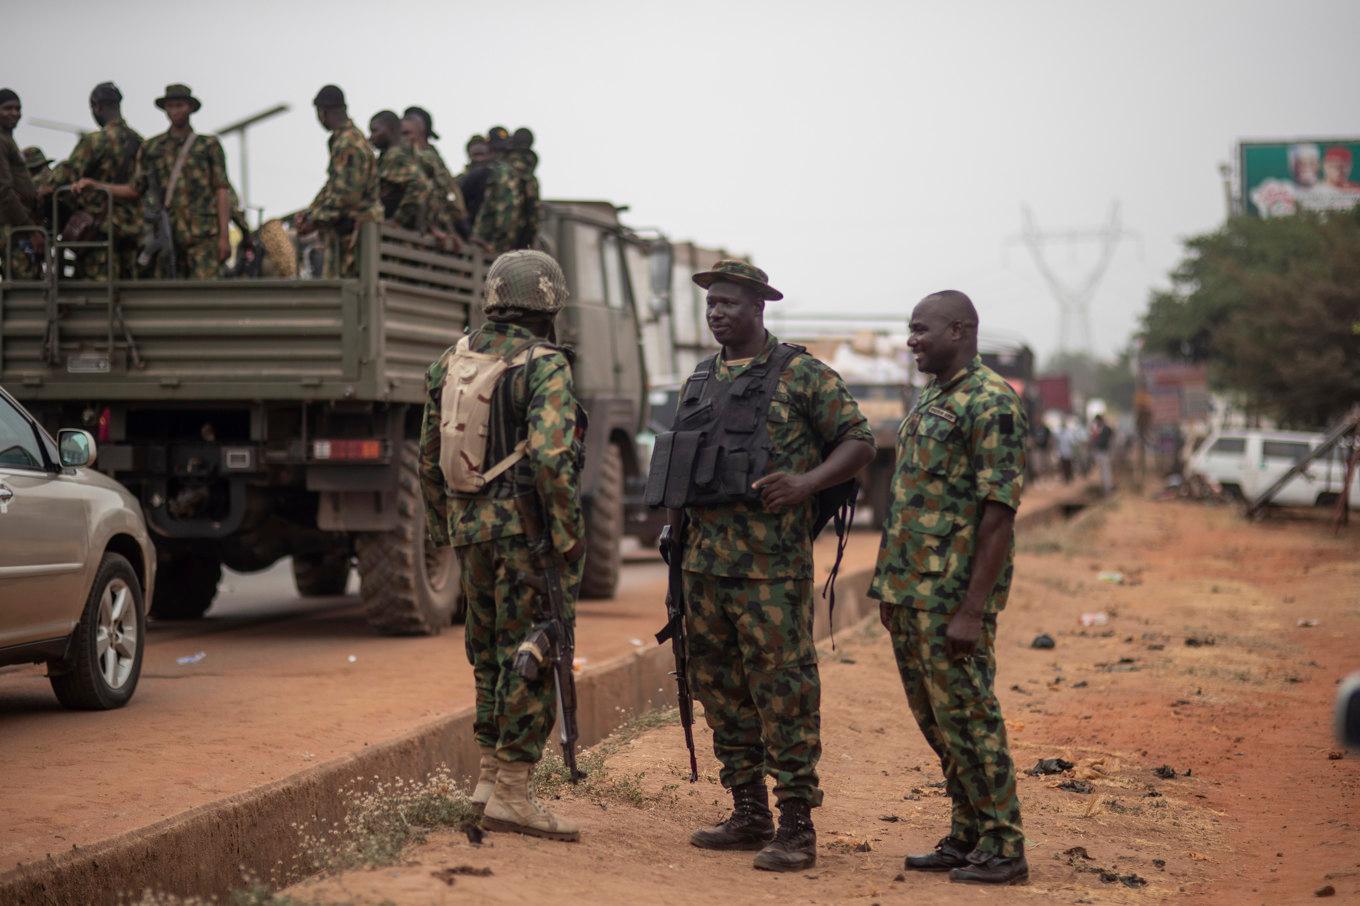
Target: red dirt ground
1259,812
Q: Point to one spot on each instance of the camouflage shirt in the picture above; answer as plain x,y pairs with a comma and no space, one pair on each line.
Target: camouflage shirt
446,206
499,219
18,195
404,187
193,210
522,165
351,189
962,444
107,155
811,412
554,452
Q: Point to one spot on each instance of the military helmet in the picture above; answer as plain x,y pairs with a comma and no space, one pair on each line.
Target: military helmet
525,280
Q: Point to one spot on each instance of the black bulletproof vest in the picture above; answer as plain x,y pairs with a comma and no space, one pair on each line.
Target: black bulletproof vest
720,441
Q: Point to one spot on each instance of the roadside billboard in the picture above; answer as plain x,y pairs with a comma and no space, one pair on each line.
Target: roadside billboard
1309,174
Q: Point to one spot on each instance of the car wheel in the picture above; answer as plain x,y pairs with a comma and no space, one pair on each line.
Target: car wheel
106,647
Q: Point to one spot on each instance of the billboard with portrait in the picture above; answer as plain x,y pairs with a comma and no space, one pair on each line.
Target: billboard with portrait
1280,178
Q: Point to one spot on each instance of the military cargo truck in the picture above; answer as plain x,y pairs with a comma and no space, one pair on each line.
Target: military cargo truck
258,419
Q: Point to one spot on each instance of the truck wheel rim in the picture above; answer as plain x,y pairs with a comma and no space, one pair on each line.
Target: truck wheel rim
117,638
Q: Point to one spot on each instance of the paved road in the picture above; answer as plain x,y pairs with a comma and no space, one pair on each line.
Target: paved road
276,692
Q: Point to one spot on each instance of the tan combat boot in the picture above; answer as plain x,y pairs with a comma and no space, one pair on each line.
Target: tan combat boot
511,809
486,778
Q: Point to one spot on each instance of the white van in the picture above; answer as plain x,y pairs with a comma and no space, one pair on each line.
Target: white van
1245,462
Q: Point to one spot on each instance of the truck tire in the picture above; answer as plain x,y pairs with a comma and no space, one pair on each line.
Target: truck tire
408,586
186,584
321,575
604,529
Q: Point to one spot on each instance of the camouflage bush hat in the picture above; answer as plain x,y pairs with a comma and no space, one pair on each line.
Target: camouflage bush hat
525,280
742,274
34,158
178,92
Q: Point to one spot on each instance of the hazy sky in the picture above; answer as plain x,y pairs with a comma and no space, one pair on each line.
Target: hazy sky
864,153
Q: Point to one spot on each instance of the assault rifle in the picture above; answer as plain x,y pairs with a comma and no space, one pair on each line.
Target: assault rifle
672,551
157,242
552,641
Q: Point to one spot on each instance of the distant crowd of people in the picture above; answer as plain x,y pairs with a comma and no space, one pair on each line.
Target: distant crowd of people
1071,449
165,205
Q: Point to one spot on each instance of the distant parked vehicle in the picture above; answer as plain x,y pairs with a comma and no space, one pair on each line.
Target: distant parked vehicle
76,565
1244,463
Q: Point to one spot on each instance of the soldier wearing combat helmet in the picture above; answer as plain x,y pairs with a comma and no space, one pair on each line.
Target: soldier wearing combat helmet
760,430
531,448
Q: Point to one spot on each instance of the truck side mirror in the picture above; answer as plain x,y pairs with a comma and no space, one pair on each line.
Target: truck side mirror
76,447
662,260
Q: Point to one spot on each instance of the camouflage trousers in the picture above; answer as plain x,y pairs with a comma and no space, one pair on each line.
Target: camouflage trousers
22,264
342,253
92,264
957,711
197,260
514,716
753,666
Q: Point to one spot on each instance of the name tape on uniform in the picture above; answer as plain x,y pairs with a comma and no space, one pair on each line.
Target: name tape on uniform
944,414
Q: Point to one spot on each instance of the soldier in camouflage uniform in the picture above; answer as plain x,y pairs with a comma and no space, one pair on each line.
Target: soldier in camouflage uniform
944,571
500,219
446,209
748,585
523,162
514,716
18,199
472,181
105,157
200,203
350,196
404,188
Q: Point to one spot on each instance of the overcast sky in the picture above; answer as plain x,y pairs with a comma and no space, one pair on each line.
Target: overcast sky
864,153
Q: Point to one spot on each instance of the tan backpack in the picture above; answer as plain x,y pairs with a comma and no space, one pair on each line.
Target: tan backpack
470,380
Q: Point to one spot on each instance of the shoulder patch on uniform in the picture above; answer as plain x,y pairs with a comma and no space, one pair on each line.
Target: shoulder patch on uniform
1007,422
943,413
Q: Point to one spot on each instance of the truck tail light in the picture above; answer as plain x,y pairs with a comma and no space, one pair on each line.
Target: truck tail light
101,434
347,450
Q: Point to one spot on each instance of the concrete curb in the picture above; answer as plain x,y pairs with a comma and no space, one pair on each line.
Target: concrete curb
209,850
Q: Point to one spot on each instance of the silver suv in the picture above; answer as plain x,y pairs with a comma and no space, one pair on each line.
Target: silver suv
76,565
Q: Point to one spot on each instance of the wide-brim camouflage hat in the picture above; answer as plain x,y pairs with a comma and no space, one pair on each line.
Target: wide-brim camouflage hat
34,158
179,92
741,273
525,280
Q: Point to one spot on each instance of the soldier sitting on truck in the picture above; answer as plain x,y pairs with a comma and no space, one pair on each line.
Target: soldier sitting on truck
350,196
446,206
402,184
499,219
180,176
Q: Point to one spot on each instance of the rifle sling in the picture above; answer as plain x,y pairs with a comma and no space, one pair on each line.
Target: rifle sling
176,169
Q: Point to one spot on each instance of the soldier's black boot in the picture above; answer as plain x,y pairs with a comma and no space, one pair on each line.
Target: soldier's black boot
948,853
986,868
750,826
794,847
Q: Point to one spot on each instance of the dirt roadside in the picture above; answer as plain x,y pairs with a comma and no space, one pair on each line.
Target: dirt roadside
1258,811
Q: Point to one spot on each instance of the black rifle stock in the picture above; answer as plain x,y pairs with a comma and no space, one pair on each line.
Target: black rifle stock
672,551
553,640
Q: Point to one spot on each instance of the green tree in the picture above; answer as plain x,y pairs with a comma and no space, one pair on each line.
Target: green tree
1273,308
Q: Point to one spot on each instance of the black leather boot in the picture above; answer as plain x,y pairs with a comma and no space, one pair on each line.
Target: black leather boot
985,868
794,847
750,826
948,853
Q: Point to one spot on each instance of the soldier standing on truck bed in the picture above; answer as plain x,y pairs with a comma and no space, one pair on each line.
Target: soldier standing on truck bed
944,571
184,173
350,196
762,427
403,186
106,156
446,206
472,181
500,217
18,198
533,432
523,162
